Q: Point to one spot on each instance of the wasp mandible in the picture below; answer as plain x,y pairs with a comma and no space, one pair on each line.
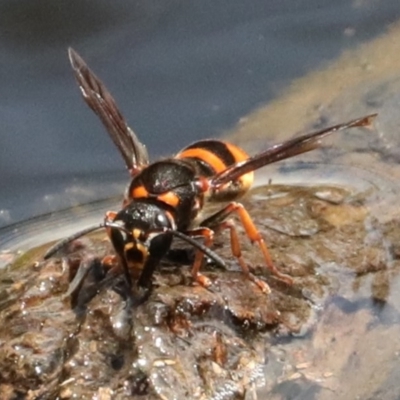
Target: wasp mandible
164,198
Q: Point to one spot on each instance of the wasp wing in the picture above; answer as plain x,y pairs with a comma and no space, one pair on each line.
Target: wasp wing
283,150
103,104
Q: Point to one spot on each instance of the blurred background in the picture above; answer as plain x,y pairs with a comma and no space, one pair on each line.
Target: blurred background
179,70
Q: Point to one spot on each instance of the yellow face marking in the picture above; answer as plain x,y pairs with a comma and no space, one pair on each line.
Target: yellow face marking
136,255
143,250
136,233
129,246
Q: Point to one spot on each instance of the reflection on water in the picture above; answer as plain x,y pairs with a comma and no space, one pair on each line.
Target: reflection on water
18,238
56,193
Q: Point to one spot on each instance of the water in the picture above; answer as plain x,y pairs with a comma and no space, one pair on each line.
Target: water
180,72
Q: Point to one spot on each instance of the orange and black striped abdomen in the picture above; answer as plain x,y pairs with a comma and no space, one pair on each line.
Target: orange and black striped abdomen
212,156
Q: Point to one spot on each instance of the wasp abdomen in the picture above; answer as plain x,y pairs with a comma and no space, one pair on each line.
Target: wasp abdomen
212,156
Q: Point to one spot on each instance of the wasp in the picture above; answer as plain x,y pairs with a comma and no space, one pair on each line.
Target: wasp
164,199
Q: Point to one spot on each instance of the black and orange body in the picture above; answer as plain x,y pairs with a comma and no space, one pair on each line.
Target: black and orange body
171,185
164,198
212,157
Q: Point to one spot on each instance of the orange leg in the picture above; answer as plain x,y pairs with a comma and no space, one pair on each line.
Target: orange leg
110,216
208,236
218,221
236,251
110,262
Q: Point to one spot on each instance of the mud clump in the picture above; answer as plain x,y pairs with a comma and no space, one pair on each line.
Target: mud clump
186,341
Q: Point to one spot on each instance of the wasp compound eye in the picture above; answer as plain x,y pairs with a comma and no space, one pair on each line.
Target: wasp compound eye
160,244
119,239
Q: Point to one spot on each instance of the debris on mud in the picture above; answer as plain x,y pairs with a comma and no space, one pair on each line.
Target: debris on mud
186,341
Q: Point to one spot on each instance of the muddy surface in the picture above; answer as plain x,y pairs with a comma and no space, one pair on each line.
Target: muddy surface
333,334
229,341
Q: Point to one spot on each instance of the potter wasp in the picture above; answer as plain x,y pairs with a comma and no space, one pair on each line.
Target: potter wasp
164,199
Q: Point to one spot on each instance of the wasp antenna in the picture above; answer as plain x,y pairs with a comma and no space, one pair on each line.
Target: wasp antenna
59,245
116,226
207,251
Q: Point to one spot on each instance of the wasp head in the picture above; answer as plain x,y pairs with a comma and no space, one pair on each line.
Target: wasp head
139,235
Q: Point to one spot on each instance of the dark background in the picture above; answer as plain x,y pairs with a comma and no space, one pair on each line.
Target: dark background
179,70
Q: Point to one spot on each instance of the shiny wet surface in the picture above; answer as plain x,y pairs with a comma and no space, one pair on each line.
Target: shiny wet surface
230,341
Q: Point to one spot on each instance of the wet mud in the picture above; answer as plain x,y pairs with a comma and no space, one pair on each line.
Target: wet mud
62,340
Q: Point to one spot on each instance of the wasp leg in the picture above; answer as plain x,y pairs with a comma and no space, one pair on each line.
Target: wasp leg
110,263
219,221
208,235
236,251
110,216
